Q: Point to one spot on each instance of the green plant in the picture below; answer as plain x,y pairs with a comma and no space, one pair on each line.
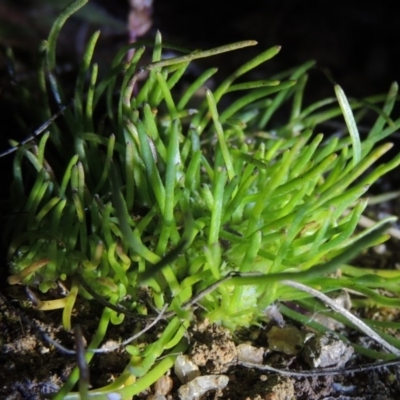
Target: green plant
185,205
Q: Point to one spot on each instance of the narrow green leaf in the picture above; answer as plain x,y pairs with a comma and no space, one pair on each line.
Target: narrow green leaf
351,124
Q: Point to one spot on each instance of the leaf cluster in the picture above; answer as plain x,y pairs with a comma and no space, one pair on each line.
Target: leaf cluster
160,198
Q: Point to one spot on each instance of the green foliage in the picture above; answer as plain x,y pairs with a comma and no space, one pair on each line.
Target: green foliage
163,198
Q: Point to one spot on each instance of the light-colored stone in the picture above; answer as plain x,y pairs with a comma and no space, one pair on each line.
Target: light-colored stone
185,369
201,385
250,354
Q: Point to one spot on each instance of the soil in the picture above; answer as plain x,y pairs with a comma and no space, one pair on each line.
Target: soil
354,45
31,368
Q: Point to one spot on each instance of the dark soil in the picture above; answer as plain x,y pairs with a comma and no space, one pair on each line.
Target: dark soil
31,368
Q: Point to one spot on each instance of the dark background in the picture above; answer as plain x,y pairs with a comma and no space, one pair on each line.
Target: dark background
357,41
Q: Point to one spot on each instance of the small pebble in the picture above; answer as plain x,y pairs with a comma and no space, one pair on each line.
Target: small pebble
250,354
288,340
156,396
343,300
273,314
200,385
326,351
185,369
163,386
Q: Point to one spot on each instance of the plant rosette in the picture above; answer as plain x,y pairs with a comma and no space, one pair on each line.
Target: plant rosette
142,198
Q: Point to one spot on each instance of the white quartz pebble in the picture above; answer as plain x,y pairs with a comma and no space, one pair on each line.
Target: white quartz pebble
250,354
200,385
185,369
